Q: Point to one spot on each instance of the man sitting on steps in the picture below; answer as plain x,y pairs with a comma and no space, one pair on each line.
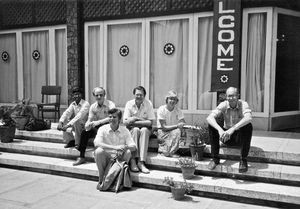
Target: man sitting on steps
73,119
237,129
98,116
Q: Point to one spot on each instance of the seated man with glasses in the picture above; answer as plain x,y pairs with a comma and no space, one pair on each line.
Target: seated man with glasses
98,116
237,128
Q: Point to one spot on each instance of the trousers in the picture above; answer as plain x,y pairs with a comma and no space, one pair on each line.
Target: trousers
241,137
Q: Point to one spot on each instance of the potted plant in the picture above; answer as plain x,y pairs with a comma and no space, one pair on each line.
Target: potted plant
188,167
7,125
21,114
199,141
178,189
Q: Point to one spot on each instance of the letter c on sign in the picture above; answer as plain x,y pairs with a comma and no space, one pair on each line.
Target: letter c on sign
226,25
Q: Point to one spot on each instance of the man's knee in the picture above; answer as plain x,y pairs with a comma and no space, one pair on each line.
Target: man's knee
127,155
99,152
135,130
145,130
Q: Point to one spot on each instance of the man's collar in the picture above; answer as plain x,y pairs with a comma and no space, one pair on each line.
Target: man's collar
110,129
142,104
103,105
79,104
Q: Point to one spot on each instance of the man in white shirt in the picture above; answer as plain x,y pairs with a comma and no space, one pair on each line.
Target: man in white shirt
138,117
98,116
73,119
112,141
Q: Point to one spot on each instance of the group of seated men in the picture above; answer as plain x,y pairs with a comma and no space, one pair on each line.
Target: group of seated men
129,138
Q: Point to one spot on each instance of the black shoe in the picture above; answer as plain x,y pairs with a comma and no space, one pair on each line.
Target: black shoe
70,144
243,167
212,164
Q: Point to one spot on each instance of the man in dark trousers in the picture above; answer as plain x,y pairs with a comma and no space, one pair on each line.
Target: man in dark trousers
98,116
237,128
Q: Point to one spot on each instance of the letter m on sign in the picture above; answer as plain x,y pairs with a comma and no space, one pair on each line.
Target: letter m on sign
226,45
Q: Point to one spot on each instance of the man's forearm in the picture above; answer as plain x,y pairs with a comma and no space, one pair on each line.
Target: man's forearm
142,123
212,121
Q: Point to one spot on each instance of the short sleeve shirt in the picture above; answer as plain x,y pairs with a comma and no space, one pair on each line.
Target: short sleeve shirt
145,111
107,136
171,117
97,113
232,115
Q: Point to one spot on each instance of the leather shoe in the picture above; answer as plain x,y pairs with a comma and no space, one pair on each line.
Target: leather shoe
98,187
142,167
79,161
133,166
212,165
70,144
243,167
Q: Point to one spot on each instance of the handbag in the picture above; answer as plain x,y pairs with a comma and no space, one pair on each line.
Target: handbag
35,124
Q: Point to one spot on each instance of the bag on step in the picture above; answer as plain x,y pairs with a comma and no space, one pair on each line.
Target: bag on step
35,124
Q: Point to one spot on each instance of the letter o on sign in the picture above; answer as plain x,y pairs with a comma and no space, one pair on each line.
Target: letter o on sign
226,35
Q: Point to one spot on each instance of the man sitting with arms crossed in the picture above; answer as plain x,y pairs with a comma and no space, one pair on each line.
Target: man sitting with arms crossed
237,128
112,140
98,116
138,117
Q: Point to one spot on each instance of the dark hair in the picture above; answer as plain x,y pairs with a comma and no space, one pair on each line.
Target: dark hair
140,88
115,110
76,89
101,88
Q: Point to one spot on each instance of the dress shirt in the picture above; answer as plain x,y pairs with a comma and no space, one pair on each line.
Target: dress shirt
98,113
145,111
107,136
232,115
80,112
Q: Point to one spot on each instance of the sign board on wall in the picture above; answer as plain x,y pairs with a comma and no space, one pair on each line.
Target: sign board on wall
226,44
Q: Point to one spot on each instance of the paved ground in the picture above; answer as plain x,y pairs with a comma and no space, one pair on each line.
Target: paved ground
23,190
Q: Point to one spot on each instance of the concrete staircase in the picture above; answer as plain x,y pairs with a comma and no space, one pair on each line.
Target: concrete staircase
273,177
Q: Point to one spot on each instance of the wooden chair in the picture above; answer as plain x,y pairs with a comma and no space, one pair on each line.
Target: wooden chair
48,91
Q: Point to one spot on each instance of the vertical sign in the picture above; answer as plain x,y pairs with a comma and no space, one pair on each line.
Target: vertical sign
226,44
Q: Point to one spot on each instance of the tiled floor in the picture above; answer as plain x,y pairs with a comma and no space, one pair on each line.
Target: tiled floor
29,190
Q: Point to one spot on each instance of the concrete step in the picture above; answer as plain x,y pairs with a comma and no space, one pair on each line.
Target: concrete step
281,148
203,185
264,172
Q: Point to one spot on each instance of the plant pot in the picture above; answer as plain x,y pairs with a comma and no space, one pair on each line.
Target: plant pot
21,121
197,151
188,172
7,133
178,193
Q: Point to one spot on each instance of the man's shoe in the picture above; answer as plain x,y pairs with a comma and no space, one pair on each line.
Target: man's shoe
142,167
70,144
133,166
243,167
212,165
98,187
79,161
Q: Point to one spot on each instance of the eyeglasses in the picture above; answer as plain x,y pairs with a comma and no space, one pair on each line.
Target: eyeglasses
231,96
99,95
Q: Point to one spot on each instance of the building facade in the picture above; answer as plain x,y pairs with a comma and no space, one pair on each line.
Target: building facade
160,44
